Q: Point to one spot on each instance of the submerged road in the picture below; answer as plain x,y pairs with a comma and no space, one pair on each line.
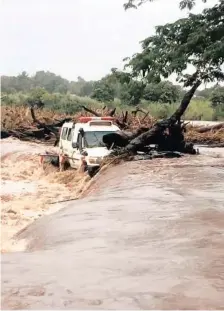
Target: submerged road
149,235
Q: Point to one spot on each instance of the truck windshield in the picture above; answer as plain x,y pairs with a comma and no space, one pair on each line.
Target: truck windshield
94,139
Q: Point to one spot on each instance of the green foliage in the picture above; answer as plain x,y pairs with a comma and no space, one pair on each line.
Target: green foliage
49,81
205,93
131,93
217,100
36,96
63,103
200,110
86,89
70,104
103,92
217,97
197,40
118,84
161,111
130,90
163,92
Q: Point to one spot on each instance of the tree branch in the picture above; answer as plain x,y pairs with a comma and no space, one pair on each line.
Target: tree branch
91,111
112,112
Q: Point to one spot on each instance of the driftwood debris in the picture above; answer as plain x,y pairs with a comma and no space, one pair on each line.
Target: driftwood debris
211,128
138,131
37,131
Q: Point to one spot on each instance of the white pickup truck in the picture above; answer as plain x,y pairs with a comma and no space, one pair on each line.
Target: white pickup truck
81,143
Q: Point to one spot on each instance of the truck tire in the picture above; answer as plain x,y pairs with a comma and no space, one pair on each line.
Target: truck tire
92,170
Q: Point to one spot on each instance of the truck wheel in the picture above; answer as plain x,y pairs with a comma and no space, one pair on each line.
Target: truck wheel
93,170
55,161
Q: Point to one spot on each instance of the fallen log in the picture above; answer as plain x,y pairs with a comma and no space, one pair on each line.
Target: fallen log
210,128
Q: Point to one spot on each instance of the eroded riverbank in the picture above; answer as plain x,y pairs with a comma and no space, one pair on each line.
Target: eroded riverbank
149,235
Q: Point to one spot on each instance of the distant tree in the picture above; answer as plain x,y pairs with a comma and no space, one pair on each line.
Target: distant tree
76,87
206,93
8,84
22,82
81,80
36,97
86,89
164,92
130,90
102,92
51,82
217,97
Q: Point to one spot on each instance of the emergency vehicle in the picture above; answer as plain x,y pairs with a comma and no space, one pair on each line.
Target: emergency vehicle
81,143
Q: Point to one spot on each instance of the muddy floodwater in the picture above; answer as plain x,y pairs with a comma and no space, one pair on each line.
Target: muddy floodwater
146,235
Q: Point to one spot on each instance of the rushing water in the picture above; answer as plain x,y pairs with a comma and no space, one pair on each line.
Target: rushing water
148,235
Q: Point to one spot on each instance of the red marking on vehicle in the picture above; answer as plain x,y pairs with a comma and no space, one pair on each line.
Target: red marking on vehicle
87,119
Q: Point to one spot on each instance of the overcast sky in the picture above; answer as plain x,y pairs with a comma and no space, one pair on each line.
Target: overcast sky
76,37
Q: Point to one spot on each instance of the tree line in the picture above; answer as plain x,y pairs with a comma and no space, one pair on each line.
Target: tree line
117,84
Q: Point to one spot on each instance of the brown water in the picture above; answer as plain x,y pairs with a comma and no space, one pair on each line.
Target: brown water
28,189
149,235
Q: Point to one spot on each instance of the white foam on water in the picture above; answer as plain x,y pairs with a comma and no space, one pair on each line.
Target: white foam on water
17,187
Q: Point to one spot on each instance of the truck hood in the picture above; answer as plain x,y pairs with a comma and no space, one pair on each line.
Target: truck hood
97,152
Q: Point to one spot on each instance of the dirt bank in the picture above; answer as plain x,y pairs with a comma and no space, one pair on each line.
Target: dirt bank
149,235
28,190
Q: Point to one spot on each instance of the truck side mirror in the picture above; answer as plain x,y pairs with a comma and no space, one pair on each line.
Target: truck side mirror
75,145
81,131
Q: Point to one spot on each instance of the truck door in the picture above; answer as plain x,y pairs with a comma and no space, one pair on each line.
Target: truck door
76,154
69,148
62,142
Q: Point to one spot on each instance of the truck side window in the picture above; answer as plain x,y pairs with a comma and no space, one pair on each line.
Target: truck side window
64,133
69,137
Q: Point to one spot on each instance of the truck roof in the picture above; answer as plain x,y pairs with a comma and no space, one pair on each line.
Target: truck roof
94,128
94,125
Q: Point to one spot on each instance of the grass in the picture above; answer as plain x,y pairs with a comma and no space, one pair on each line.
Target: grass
70,104
197,110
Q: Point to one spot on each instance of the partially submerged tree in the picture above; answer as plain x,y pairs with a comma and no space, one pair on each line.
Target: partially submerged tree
196,41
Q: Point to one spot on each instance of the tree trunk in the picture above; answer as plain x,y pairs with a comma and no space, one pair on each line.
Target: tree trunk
184,103
155,134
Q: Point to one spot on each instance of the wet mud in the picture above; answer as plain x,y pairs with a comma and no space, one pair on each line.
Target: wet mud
147,235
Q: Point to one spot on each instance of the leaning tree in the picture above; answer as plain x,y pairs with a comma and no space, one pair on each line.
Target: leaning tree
197,42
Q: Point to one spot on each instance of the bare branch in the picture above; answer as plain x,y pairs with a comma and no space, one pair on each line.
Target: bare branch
112,112
91,111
